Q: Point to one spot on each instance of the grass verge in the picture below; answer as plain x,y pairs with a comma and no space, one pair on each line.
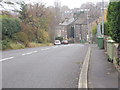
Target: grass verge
18,45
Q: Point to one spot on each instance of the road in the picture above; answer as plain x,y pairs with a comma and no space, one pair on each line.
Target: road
43,67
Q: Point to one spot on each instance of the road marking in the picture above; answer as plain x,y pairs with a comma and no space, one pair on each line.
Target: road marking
45,49
42,49
82,45
55,47
6,59
29,53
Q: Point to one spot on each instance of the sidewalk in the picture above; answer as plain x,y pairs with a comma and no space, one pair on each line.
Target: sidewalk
102,74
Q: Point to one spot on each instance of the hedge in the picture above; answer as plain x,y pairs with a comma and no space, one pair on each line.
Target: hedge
113,18
10,26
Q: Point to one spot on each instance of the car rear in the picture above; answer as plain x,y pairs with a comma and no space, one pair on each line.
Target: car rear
57,42
65,42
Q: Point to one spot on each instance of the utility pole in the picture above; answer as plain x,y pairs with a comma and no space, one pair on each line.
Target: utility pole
88,35
102,17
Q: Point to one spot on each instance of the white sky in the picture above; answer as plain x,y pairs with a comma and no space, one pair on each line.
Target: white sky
72,3
69,3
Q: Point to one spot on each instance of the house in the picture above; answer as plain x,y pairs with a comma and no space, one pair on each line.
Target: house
65,28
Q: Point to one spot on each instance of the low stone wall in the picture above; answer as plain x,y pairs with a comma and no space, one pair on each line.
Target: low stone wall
116,53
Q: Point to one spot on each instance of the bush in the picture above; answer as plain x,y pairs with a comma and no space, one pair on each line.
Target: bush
21,37
16,46
33,44
59,38
10,26
6,44
43,36
29,30
9,44
94,30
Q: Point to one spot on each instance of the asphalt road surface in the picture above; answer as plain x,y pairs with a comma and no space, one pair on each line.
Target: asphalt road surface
43,67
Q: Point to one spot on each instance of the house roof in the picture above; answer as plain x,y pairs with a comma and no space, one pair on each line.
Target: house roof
67,22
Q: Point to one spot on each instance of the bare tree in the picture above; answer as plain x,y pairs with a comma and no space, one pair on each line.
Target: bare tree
94,9
57,11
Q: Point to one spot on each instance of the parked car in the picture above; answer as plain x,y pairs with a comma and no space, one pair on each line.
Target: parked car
64,42
57,42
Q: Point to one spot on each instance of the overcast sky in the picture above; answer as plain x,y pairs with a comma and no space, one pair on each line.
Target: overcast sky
69,3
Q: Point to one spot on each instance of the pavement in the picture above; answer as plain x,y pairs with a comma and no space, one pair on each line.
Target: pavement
102,74
0,72
43,67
